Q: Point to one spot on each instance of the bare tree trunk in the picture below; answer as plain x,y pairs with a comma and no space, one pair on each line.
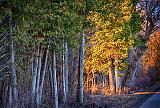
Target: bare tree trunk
73,78
51,79
111,80
9,105
55,82
64,81
12,58
43,71
116,77
81,70
38,75
34,76
93,82
61,77
66,68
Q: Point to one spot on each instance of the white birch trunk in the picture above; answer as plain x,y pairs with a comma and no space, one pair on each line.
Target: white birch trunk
12,58
64,83
81,70
34,76
10,98
61,78
66,68
38,76
55,82
43,73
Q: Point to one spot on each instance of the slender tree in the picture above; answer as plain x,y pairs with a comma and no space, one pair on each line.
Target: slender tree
43,72
81,63
53,79
34,75
66,68
55,82
13,70
63,78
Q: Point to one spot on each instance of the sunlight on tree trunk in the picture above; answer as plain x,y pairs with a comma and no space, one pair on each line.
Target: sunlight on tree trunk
111,80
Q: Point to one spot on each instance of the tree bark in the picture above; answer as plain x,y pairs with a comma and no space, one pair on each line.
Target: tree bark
34,76
116,77
64,81
81,70
38,75
51,80
55,82
13,73
73,78
61,78
66,68
111,80
43,71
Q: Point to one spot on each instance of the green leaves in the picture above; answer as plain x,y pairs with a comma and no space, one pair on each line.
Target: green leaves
38,20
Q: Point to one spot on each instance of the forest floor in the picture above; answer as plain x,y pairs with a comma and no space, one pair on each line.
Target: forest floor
99,101
122,101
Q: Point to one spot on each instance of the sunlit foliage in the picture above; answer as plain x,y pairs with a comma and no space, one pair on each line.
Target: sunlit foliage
111,39
151,59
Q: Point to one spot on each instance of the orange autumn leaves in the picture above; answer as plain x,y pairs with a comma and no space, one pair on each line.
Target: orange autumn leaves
152,56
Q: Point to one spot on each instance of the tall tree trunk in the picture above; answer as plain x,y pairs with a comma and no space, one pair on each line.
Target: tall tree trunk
10,98
34,76
38,74
64,81
81,70
13,73
73,78
116,77
111,80
55,82
51,80
93,82
61,78
43,71
66,68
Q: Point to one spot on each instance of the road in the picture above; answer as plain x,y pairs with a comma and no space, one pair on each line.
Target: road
152,102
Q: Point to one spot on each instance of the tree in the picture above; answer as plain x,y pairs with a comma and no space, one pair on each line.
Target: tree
149,11
53,75
81,64
66,68
34,25
13,70
111,39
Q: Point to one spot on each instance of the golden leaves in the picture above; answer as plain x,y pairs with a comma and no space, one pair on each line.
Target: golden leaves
107,41
152,56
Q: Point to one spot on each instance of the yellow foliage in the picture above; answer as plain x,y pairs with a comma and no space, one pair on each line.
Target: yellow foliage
107,41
